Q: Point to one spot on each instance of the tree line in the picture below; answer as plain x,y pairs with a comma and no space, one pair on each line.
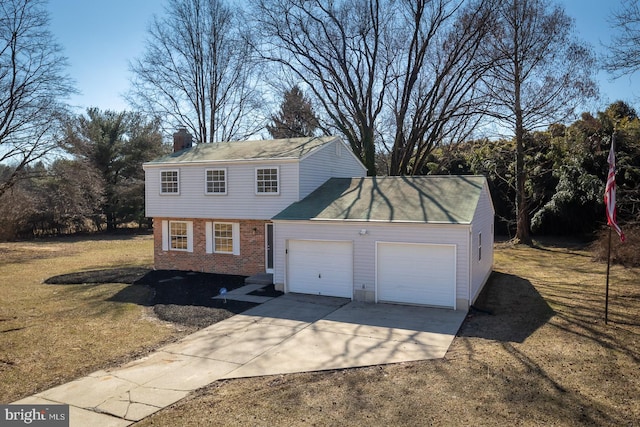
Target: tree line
96,183
102,185
399,80
569,171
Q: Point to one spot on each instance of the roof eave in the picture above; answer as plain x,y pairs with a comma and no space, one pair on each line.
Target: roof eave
206,162
376,221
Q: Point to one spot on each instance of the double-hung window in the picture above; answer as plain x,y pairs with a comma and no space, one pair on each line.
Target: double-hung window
267,181
178,240
177,236
216,181
169,182
223,238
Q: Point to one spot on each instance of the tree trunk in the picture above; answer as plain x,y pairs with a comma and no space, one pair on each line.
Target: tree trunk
523,222
522,212
369,148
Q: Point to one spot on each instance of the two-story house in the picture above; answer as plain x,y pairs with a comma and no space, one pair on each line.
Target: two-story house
212,204
303,210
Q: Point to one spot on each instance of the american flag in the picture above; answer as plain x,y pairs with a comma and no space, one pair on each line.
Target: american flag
610,193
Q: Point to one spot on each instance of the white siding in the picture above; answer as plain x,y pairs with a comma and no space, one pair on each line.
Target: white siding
364,245
482,224
325,163
240,202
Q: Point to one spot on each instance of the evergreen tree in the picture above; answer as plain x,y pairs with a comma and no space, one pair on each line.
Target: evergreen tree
296,117
116,144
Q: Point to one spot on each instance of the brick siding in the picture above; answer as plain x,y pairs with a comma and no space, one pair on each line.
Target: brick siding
250,261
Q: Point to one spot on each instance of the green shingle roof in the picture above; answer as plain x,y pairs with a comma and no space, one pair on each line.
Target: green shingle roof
430,199
280,149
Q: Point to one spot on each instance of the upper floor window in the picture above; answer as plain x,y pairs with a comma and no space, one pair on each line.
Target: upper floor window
216,181
169,182
267,181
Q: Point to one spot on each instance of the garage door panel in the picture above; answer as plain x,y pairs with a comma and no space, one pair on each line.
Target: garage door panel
320,267
416,273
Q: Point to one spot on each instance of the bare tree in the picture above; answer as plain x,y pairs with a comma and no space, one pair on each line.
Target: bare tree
540,75
437,68
624,51
32,86
398,73
198,71
334,48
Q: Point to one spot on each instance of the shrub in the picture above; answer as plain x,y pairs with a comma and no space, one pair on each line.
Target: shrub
627,253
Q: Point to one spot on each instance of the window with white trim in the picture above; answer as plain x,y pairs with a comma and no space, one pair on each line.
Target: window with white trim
216,181
178,236
169,182
223,238
267,181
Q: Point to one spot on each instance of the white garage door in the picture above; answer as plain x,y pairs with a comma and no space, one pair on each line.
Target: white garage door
416,273
320,267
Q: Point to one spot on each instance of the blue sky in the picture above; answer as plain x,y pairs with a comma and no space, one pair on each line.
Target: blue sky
100,37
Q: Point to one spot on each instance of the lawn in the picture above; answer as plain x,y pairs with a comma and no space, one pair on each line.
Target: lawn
536,353
543,357
52,334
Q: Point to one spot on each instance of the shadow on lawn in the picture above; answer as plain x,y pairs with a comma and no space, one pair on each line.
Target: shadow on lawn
509,309
170,286
181,297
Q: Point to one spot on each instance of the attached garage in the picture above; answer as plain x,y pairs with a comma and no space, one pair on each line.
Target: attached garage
320,267
415,273
424,240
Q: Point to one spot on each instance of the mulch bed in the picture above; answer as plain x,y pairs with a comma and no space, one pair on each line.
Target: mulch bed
181,297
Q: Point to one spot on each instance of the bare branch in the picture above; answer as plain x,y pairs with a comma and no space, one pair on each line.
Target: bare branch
198,70
32,86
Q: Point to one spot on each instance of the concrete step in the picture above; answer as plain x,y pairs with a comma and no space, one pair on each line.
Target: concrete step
259,279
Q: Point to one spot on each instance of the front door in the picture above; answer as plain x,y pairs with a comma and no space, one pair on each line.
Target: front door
269,247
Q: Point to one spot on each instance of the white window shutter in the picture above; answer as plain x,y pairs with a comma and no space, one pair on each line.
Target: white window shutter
189,236
165,235
209,237
236,238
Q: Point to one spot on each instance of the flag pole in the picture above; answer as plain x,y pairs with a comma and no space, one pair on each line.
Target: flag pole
606,297
610,203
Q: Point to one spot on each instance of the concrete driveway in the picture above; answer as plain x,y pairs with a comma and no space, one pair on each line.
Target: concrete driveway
292,333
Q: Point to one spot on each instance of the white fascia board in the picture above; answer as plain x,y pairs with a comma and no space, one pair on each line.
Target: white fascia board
165,165
377,222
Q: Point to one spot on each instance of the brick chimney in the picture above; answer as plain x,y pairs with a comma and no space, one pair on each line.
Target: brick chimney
182,139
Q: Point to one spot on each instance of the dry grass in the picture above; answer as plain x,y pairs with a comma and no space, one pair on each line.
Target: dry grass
544,357
50,334
627,253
